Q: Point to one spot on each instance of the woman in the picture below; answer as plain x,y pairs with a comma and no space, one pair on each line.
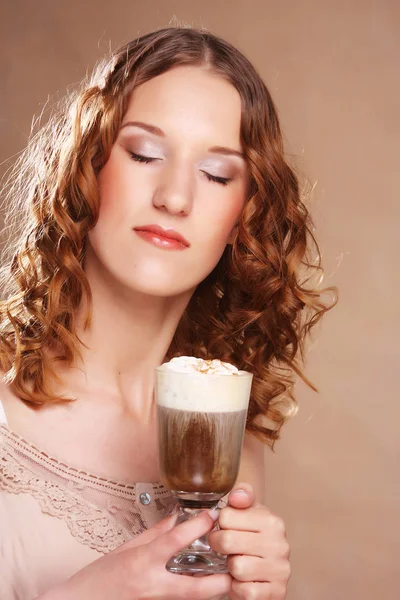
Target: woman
158,217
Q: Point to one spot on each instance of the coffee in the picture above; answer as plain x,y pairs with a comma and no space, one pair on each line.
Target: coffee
202,408
200,451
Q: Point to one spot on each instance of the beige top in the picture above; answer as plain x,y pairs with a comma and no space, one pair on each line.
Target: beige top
55,519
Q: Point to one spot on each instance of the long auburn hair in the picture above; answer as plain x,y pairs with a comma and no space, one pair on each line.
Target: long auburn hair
256,307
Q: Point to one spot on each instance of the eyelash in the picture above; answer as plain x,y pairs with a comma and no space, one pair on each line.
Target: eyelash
147,159
141,159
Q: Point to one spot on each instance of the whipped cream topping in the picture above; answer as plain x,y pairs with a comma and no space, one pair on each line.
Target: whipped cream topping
181,384
190,364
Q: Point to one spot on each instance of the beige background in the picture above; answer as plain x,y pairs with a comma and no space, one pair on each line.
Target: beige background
333,69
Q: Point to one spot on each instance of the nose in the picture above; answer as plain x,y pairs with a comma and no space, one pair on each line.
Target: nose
174,193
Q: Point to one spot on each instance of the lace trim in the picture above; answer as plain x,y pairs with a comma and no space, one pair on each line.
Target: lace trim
127,490
88,523
94,526
98,528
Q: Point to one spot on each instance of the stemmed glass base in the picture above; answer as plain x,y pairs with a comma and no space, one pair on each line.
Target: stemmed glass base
198,557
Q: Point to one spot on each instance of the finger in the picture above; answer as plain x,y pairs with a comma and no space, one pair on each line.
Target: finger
253,568
229,541
242,496
184,534
252,591
252,519
150,534
204,588
247,568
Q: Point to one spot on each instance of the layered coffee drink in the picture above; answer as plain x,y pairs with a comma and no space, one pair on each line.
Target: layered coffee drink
202,409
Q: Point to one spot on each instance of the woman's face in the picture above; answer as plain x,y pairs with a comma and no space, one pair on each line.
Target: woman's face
175,171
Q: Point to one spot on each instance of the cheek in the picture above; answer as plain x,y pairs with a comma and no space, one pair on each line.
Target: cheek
113,215
109,193
223,218
121,192
216,232
112,180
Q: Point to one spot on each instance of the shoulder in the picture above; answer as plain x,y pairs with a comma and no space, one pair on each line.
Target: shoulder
3,418
6,397
252,465
13,411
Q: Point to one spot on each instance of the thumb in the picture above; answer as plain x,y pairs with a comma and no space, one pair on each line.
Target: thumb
242,496
150,534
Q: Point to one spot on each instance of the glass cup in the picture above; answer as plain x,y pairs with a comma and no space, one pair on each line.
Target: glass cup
201,423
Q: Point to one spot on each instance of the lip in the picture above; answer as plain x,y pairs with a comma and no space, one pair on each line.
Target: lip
162,237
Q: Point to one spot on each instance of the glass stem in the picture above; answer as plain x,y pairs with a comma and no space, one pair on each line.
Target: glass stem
188,510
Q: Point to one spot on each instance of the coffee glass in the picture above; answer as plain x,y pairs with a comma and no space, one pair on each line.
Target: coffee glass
201,422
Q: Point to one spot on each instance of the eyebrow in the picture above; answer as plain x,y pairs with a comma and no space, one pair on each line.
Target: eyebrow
159,132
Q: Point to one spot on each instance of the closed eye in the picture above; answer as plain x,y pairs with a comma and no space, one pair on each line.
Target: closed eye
221,180
149,159
142,159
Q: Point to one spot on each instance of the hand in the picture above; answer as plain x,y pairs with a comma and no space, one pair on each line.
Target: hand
136,570
256,542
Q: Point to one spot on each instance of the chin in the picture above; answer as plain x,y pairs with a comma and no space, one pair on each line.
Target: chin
158,291
164,284
159,283
154,278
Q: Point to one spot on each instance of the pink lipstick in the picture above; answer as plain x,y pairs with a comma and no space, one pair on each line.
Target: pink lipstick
162,237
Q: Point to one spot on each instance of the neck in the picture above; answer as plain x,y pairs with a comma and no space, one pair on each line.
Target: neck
129,336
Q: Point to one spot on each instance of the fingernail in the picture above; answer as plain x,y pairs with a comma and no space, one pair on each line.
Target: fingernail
172,517
239,491
214,514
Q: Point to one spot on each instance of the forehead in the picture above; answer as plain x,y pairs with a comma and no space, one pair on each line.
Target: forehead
190,101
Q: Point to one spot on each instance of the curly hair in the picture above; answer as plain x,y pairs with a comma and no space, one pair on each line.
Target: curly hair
256,307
